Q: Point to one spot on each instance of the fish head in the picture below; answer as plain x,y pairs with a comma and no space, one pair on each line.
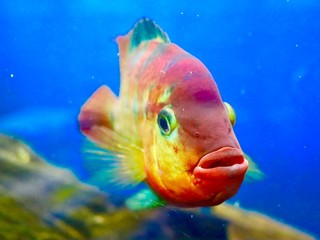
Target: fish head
193,158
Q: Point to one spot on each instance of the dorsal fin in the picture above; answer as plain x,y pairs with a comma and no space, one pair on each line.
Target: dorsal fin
98,110
144,30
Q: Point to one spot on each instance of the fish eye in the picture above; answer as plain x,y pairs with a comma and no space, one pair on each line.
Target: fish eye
231,113
166,121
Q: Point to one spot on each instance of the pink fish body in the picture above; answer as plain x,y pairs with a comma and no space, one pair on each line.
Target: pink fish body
169,126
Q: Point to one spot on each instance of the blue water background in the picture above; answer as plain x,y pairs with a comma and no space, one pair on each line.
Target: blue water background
264,55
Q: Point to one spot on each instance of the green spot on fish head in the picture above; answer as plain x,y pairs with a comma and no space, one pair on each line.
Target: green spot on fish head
165,96
231,113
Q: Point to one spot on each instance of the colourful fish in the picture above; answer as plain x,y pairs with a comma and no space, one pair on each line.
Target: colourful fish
169,126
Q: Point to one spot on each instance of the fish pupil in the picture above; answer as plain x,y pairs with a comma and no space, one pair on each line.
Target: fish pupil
163,124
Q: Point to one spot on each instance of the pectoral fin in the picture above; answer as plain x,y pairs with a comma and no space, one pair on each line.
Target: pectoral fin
143,200
253,173
123,159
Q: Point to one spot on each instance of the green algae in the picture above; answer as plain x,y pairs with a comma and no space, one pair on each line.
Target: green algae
17,222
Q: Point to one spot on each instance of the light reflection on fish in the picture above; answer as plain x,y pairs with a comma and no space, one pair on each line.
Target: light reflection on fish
169,126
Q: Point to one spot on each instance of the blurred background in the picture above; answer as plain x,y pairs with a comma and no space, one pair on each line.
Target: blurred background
264,56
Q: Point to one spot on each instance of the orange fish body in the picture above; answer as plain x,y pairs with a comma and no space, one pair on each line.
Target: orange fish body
169,126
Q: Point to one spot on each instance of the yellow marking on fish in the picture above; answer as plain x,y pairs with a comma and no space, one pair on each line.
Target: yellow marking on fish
165,96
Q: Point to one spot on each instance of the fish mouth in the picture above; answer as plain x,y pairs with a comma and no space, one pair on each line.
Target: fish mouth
221,165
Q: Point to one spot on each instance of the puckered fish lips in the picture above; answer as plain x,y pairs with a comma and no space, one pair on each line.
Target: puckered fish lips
224,164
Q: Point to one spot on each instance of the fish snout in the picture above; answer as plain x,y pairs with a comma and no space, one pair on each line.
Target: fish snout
224,164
